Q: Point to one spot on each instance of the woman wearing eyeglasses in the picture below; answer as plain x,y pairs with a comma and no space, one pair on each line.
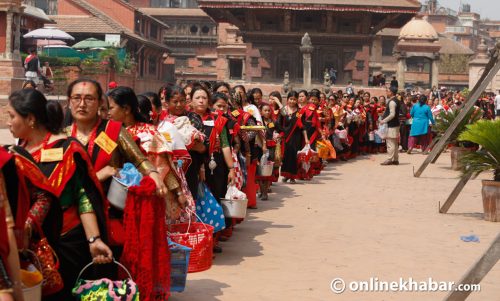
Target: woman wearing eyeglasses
107,142
75,223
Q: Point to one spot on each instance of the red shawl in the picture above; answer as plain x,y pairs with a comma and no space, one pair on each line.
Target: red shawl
308,111
145,252
4,238
219,123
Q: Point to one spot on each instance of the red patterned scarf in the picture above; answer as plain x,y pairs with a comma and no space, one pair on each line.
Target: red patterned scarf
145,252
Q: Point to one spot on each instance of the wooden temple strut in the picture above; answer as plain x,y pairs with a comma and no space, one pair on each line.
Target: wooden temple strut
477,272
489,73
454,194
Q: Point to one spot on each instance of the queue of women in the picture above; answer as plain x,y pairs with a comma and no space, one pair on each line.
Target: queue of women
54,182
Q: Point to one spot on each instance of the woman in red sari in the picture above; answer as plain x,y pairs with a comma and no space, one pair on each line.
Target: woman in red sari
124,107
311,123
75,225
108,144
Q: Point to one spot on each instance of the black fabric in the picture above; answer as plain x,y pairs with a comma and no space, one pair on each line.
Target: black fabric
216,180
293,145
32,65
52,224
394,122
192,176
74,254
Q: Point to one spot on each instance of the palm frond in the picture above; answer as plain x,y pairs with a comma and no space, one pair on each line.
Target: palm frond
446,118
486,133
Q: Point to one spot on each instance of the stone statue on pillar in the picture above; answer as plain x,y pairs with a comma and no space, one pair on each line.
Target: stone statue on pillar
306,48
286,82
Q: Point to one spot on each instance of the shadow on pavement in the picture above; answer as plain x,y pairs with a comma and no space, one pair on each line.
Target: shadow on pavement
200,290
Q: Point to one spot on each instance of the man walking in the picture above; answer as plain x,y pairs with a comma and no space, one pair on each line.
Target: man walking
391,118
32,66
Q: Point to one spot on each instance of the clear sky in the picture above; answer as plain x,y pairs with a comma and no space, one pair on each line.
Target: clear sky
486,8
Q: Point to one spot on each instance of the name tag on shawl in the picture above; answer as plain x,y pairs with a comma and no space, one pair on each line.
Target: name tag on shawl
167,137
105,143
51,155
270,125
235,113
299,115
209,123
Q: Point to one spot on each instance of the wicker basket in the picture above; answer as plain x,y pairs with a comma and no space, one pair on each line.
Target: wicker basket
198,237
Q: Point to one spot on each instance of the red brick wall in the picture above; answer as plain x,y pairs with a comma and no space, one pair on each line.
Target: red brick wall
66,7
3,27
360,75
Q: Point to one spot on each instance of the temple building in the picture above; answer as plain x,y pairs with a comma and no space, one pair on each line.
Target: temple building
420,57
341,34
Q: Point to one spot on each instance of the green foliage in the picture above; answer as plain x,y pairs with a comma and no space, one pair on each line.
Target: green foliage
486,134
465,92
445,119
454,63
56,61
109,57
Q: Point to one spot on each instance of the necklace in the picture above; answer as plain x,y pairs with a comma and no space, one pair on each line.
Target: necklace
84,139
36,150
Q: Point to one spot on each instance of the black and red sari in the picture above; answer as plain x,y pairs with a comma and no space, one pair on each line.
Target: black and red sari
69,178
293,137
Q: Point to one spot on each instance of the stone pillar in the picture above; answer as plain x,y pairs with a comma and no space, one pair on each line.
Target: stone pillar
400,74
329,21
435,72
287,22
306,50
17,36
8,36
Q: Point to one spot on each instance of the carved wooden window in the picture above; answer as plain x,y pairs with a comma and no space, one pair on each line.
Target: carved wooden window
387,47
254,62
153,31
152,62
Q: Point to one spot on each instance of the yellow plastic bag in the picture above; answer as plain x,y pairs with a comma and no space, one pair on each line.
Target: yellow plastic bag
31,278
325,149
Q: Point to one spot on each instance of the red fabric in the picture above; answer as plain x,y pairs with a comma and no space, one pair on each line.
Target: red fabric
219,124
251,188
113,131
4,238
163,115
145,252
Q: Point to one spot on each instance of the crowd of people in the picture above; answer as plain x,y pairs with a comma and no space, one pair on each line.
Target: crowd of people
54,182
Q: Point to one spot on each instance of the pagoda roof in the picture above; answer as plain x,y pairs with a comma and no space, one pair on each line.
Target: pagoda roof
378,6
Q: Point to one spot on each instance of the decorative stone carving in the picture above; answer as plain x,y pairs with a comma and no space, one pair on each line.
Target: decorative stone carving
286,82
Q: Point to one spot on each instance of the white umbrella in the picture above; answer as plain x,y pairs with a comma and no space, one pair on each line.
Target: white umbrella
48,33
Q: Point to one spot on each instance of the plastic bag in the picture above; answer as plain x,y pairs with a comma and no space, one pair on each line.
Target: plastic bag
304,157
382,130
325,149
208,209
264,158
234,193
129,175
